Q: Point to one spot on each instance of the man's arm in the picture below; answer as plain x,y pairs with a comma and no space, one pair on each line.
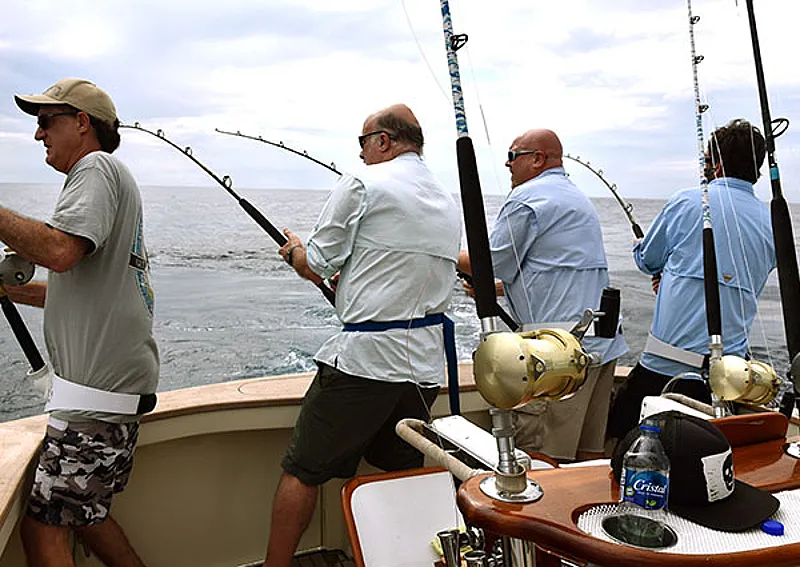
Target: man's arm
40,243
32,293
651,252
294,253
513,232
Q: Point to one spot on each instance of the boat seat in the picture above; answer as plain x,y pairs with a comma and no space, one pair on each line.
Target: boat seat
392,518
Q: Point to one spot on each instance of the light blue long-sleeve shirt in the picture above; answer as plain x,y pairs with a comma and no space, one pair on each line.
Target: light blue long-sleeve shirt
673,246
547,249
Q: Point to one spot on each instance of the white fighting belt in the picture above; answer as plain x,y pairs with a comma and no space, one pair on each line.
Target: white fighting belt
62,394
673,353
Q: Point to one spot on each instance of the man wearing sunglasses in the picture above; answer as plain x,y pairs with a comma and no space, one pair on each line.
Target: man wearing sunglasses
392,233
98,314
547,250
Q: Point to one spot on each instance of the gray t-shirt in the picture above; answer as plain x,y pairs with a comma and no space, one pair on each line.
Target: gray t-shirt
98,316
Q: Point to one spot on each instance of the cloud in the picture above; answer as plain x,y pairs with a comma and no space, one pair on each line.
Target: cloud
613,78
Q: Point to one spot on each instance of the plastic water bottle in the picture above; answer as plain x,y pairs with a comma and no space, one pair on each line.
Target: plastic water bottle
644,489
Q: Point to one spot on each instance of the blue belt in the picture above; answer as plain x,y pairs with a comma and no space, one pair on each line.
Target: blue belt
448,330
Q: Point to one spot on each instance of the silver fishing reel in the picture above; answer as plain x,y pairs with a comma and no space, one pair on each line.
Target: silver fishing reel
15,270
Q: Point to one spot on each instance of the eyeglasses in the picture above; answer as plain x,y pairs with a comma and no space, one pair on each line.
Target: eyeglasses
45,121
362,139
514,154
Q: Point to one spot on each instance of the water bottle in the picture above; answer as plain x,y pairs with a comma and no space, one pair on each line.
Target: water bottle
644,489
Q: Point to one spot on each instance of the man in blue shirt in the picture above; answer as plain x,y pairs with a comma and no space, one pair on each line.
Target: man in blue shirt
678,340
547,250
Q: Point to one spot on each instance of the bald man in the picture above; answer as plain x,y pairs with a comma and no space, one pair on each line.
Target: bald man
547,250
392,234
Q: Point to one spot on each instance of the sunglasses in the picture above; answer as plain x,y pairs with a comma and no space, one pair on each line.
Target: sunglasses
45,121
514,154
362,139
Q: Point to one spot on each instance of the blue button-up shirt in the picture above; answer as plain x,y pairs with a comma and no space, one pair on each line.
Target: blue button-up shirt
547,249
745,257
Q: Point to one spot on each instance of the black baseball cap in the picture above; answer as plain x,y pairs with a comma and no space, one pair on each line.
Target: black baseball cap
702,487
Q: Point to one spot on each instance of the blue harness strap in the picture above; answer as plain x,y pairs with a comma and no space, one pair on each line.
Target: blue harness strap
448,330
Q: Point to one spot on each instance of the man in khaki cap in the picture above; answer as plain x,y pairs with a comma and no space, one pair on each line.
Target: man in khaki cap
98,315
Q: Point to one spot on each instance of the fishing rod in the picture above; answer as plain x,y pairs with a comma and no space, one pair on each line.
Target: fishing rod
732,378
510,369
471,196
782,232
227,183
710,275
502,313
14,270
626,207
281,145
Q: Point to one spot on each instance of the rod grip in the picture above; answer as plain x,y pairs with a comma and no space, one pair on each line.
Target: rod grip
263,222
21,333
606,325
477,233
713,309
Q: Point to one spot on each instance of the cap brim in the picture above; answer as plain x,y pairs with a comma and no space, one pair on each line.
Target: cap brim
30,104
746,508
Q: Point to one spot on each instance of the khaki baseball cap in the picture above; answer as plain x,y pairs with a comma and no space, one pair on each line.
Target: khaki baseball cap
79,93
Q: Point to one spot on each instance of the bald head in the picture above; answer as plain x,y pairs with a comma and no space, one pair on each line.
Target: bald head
545,140
394,131
398,112
540,150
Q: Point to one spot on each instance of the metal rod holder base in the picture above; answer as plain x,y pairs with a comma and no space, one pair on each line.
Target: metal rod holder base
493,489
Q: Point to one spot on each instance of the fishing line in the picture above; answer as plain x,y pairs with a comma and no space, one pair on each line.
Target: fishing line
227,183
627,208
422,53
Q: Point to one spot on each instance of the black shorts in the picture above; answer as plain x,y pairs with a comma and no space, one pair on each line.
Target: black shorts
345,418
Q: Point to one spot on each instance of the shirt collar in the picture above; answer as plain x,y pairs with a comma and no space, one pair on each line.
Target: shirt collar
552,171
734,183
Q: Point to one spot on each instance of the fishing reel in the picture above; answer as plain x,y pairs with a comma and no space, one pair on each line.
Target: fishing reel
734,379
14,269
514,369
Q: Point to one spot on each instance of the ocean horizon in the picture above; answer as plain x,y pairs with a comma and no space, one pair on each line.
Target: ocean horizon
228,308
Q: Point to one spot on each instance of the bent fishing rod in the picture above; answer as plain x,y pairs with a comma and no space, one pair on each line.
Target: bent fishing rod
782,232
281,145
626,207
506,318
227,183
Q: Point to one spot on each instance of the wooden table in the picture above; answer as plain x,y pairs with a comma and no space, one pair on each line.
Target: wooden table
758,442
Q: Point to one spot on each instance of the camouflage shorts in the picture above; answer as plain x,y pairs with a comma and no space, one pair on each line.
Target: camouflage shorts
80,469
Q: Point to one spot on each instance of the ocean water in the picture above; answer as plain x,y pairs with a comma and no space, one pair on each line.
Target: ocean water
228,308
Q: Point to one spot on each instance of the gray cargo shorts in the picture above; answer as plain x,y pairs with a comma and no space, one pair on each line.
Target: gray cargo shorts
81,466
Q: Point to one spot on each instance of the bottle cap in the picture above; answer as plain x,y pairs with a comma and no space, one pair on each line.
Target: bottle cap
772,527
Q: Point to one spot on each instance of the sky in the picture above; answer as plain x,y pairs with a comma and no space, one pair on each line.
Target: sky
612,77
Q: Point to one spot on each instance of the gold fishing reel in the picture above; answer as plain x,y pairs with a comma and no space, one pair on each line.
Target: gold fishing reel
514,369
734,379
